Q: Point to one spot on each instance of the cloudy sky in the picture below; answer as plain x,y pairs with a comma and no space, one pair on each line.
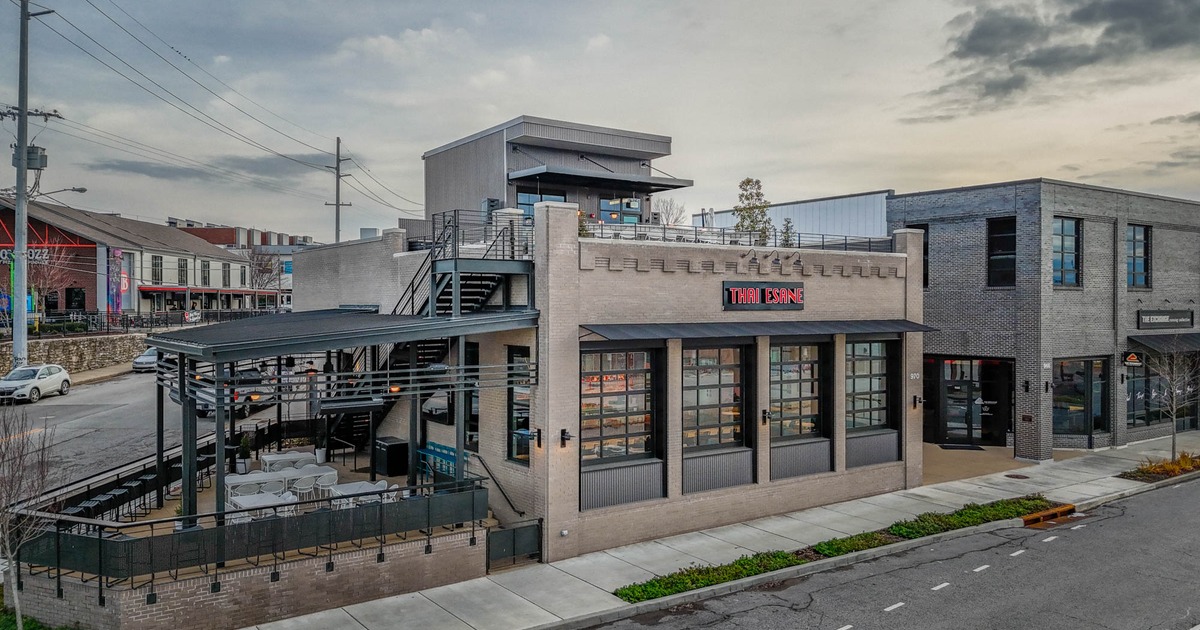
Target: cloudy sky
187,108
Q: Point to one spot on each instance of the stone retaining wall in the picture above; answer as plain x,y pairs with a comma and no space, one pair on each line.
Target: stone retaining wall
80,353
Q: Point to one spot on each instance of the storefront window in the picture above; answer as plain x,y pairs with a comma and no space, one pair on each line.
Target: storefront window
1080,396
867,386
795,391
1143,397
518,406
620,210
712,397
616,406
527,197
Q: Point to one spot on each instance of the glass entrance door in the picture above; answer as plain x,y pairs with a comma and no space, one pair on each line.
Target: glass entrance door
961,412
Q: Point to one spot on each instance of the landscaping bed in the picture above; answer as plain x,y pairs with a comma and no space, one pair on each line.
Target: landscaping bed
1152,470
923,525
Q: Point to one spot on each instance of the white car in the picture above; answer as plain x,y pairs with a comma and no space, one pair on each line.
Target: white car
31,382
146,361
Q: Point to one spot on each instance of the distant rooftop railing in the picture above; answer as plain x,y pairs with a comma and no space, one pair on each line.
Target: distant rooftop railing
502,234
728,236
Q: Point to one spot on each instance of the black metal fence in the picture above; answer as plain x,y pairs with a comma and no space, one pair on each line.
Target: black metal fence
773,238
515,542
139,553
91,322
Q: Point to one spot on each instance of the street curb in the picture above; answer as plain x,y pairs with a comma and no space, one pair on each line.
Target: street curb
1045,515
1091,504
631,610
99,378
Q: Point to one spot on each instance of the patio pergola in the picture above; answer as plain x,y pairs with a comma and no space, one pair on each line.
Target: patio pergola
201,365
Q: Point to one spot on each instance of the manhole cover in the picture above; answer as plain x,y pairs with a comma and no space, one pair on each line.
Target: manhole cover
1016,476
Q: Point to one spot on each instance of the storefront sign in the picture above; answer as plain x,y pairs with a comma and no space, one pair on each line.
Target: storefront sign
1149,320
763,296
1133,359
36,256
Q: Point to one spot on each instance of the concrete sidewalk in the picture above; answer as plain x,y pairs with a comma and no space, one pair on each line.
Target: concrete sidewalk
101,374
545,594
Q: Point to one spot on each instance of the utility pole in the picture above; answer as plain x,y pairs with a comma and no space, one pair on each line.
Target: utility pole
16,300
337,193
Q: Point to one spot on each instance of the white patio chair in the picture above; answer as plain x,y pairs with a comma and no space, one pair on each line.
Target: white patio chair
245,489
390,495
325,484
235,517
342,503
304,462
272,487
305,488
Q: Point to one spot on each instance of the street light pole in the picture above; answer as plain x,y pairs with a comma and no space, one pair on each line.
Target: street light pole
20,262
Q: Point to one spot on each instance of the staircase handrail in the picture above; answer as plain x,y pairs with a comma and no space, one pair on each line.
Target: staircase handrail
498,486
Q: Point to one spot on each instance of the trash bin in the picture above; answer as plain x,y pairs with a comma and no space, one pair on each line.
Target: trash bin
391,456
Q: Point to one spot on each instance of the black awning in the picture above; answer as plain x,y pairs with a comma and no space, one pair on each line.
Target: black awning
1177,342
622,332
597,179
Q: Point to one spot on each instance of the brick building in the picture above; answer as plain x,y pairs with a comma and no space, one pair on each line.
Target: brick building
1039,291
685,378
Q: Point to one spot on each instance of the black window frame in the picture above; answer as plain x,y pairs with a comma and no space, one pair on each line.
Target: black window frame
1059,390
527,197
739,428
182,266
1002,252
865,399
1060,255
518,433
924,252
1136,233
818,379
598,426
156,269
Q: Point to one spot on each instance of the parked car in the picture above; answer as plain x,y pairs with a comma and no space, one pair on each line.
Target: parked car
146,361
249,391
31,382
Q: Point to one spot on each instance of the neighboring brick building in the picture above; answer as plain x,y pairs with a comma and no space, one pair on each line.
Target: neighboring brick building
1039,289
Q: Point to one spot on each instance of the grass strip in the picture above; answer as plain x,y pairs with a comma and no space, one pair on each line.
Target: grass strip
926,524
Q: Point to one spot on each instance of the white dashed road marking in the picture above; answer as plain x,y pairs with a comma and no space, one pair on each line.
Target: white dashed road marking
845,627
1049,539
893,607
940,586
1079,527
978,569
1017,552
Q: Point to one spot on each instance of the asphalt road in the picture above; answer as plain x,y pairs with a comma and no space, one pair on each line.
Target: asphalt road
102,425
1131,564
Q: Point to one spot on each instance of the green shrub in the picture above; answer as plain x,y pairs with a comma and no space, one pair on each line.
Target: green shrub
850,544
968,516
698,577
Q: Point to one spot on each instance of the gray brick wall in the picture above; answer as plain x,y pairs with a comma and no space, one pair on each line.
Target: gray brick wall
1035,323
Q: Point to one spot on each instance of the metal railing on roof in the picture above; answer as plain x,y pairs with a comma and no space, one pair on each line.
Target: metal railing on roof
504,234
773,238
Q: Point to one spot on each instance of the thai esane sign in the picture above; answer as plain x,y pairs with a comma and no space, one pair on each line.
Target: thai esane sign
763,296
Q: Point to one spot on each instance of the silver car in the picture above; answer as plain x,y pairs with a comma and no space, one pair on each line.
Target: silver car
146,361
31,382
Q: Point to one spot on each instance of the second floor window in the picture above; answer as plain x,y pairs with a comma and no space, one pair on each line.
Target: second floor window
226,270
1065,245
1137,256
243,275
156,269
205,279
183,272
1002,252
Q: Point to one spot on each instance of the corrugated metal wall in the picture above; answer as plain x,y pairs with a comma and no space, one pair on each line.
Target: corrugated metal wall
623,484
718,470
875,448
801,458
462,177
853,215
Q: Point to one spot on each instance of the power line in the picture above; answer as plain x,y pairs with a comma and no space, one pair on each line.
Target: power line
216,125
214,78
372,176
373,197
202,86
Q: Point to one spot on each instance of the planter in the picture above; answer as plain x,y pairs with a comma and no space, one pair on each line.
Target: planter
321,456
243,466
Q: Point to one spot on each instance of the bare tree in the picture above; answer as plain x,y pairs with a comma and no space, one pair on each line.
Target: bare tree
50,268
24,464
265,270
670,211
1178,372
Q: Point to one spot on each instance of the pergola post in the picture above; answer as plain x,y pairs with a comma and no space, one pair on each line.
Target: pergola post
460,413
159,465
278,404
374,359
414,415
189,438
224,396
220,408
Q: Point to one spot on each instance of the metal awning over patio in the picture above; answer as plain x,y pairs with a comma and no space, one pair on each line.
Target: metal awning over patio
318,331
549,174
1178,342
623,332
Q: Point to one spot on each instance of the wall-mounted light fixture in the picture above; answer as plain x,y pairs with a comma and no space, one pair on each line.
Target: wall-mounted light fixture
752,255
918,401
565,435
1047,384
766,416
1026,387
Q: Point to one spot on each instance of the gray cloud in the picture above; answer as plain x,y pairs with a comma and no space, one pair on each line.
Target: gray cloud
1001,53
268,167
1188,158
1188,119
